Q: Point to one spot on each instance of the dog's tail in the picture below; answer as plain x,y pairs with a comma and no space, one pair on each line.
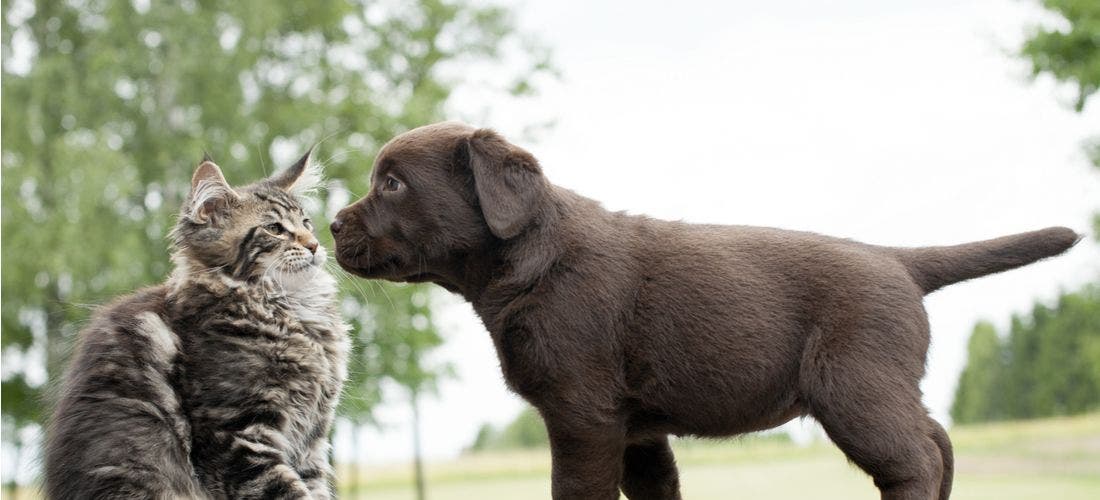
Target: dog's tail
936,267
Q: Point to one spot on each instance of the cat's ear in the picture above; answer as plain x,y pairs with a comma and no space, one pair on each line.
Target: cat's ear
301,178
210,194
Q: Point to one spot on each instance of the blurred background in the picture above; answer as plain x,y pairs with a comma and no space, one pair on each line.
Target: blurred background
896,123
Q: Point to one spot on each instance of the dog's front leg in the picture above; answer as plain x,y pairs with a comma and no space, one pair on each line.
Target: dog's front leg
587,459
649,471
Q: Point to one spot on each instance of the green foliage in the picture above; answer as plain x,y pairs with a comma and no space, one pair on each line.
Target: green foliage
984,369
109,105
1070,55
527,430
1048,364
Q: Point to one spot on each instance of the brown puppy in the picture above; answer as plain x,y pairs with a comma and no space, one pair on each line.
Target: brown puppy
623,329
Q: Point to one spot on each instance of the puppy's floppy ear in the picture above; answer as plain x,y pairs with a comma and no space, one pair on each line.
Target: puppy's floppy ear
508,181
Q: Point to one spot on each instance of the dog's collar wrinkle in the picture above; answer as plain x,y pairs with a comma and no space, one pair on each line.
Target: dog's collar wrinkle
524,262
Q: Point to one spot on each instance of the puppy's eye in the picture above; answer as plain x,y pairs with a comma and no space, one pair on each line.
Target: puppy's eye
391,184
275,228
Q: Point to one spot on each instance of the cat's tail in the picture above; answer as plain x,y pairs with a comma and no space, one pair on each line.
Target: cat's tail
933,268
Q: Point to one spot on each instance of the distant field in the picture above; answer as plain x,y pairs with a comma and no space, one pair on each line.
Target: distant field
1042,459
1055,458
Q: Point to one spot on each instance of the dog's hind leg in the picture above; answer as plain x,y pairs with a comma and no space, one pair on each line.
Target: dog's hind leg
891,442
649,471
939,435
868,400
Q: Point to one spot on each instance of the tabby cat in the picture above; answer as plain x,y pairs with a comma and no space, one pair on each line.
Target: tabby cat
222,382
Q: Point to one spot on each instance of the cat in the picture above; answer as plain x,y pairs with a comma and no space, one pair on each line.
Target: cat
223,381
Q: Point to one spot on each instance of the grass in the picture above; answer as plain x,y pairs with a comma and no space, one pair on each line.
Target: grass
1052,458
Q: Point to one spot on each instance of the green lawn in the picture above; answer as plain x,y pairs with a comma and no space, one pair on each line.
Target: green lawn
1055,458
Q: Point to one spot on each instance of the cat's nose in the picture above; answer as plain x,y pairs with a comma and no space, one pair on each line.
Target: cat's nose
335,226
310,243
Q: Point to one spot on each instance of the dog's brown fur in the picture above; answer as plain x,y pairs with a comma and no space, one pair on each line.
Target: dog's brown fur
623,329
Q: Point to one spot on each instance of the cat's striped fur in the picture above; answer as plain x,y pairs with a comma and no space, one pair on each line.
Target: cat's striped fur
220,383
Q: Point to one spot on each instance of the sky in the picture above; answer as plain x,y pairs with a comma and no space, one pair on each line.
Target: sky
893,123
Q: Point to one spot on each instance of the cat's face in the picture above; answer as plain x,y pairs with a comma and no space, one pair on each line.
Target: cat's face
253,232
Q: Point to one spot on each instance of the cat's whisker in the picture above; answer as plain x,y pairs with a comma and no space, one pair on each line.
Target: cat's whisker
343,153
260,153
210,270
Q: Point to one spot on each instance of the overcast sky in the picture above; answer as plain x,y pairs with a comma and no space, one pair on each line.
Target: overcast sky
896,123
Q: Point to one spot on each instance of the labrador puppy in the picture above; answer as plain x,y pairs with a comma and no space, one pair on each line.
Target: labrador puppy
623,329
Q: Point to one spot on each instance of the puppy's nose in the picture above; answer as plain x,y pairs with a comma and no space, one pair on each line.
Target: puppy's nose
335,226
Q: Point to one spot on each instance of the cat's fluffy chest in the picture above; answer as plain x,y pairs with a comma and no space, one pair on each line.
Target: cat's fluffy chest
263,350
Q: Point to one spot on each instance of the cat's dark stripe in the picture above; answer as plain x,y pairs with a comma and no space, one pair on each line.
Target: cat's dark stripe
318,433
242,333
257,249
278,200
275,490
278,213
264,416
255,474
246,464
242,248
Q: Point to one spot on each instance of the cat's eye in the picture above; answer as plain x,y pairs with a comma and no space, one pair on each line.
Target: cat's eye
391,184
275,228
308,224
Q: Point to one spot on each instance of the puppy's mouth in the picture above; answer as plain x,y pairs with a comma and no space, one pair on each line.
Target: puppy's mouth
354,262
421,278
390,269
357,261
380,259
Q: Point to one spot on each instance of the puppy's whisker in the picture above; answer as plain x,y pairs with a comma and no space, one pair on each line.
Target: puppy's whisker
382,288
348,278
332,134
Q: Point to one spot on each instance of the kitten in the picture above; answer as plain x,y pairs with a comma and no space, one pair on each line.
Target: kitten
222,382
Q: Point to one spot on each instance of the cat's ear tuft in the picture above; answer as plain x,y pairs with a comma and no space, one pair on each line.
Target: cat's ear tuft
210,194
300,179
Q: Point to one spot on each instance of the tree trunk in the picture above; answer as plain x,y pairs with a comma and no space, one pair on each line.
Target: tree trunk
359,465
418,461
12,487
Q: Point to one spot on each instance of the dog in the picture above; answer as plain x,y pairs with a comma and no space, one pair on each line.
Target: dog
623,329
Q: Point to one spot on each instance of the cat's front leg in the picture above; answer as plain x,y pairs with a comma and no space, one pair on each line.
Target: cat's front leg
258,466
316,470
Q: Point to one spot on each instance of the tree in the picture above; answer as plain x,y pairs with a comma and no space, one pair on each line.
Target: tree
977,397
109,104
525,431
1069,55
398,346
1046,365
